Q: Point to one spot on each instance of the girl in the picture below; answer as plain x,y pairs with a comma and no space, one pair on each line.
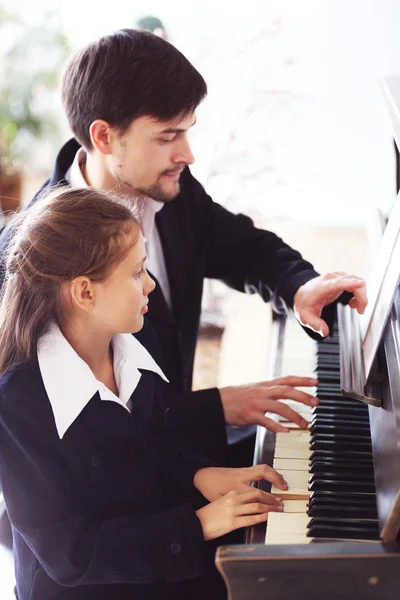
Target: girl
95,482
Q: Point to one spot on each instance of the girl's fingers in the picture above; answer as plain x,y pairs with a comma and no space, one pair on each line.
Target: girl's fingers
259,472
254,508
255,495
250,520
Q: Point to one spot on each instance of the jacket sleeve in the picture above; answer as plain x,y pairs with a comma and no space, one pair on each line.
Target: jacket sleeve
41,502
254,260
200,419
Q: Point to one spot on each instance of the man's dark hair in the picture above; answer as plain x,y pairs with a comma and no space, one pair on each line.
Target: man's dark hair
127,75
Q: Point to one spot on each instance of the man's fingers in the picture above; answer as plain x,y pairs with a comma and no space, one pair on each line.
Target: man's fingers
310,318
272,425
333,288
286,392
309,306
291,416
292,380
360,300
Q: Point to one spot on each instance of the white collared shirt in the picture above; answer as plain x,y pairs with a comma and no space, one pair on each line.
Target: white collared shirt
155,257
70,383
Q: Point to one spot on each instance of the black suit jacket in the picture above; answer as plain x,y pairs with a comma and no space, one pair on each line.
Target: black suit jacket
202,239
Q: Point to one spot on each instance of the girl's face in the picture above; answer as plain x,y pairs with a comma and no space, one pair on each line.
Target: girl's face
120,302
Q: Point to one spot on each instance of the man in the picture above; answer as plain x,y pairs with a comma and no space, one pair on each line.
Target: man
130,99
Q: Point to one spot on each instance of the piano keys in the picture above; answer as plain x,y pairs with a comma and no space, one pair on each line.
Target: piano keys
331,493
331,524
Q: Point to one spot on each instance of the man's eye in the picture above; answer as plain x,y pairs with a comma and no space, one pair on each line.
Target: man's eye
167,140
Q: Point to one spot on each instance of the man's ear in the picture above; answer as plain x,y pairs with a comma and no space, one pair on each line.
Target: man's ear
101,135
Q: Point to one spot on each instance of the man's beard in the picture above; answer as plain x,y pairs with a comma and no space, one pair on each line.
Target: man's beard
156,192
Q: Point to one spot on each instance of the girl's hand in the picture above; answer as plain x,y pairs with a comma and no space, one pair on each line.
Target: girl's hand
235,510
214,482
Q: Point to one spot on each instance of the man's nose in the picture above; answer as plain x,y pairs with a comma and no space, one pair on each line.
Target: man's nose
185,154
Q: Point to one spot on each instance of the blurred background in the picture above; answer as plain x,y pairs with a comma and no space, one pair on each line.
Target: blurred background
293,125
294,131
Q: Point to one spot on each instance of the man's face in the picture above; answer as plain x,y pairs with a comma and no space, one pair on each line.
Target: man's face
150,157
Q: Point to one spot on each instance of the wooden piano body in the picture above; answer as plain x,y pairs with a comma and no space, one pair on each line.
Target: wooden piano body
300,555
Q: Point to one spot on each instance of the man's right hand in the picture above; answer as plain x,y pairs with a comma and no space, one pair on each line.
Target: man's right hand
235,510
247,404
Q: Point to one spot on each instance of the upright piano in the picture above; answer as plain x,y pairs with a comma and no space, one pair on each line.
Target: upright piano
338,537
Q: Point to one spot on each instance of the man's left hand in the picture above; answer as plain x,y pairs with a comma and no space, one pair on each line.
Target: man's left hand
314,295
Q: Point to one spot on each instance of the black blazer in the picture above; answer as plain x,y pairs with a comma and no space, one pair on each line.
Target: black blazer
202,239
105,511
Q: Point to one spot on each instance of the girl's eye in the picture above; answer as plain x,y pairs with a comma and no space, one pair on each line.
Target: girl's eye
137,275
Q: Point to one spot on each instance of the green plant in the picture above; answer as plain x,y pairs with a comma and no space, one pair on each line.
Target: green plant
30,60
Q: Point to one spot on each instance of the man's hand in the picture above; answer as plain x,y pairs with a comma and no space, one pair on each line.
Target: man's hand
314,295
247,404
214,482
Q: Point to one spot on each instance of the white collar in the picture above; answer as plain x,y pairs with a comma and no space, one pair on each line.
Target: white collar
74,174
70,383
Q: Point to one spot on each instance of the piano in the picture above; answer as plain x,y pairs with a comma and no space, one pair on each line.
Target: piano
338,536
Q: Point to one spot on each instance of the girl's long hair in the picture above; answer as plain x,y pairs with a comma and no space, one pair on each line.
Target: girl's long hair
70,233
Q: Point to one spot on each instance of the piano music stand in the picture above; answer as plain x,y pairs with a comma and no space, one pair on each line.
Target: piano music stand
363,333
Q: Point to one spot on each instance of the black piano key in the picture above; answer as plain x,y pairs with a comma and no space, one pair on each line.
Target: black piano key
344,498
342,512
342,485
326,364
344,529
328,376
339,534
345,411
346,457
341,475
327,359
338,428
333,405
338,438
338,416
332,399
329,445
320,466
328,349
366,524
340,424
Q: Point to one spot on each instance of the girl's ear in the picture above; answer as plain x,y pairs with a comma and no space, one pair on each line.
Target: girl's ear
81,292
